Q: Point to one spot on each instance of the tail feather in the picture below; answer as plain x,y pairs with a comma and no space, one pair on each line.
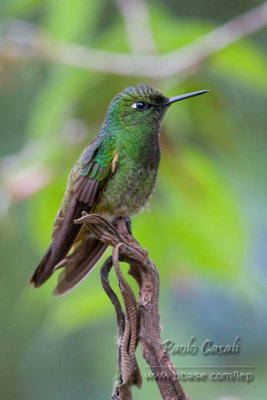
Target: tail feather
51,258
43,270
79,265
80,261
60,246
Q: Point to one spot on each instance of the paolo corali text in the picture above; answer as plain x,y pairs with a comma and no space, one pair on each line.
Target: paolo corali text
208,347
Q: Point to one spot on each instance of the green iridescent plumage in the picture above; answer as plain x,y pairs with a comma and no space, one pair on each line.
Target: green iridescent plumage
114,176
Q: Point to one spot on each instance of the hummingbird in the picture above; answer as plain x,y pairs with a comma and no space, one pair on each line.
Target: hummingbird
114,177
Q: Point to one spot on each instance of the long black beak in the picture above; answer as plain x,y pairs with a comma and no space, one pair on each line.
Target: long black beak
185,96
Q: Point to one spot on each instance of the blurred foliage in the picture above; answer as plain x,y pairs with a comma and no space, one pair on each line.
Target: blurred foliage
205,228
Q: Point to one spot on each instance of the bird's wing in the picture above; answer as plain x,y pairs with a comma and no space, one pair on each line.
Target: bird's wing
84,186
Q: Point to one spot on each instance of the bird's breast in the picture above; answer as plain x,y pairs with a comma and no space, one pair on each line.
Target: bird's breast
128,189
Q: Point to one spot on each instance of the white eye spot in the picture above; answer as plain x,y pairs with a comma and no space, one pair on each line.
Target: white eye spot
140,106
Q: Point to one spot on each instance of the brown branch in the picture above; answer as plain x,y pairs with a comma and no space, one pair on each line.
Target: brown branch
143,316
127,376
129,339
24,40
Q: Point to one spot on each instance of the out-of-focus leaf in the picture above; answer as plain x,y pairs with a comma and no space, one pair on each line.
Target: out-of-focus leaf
244,62
55,101
15,7
198,212
70,23
171,32
42,211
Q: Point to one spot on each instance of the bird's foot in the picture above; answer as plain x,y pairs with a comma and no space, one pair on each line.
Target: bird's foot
128,224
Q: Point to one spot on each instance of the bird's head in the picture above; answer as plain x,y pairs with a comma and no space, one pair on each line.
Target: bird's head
141,106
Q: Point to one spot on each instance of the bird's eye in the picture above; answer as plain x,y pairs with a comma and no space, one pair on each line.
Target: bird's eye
141,106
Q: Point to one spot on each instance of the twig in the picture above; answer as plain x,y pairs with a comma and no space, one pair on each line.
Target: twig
182,61
137,25
143,321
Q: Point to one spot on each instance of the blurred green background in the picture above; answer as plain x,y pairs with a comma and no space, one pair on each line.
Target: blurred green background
205,230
